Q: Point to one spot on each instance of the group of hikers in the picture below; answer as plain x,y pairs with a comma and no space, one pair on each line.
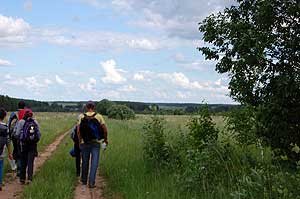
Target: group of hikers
22,130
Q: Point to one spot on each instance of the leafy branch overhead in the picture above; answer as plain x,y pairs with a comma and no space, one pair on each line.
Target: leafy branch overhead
256,43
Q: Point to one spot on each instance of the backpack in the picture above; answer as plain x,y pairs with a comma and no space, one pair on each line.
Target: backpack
30,134
3,130
73,135
12,122
90,129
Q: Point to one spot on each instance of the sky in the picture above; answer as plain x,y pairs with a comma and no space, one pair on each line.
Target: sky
128,50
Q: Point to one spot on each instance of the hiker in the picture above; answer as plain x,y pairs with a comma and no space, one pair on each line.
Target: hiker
4,141
75,152
29,134
91,131
12,121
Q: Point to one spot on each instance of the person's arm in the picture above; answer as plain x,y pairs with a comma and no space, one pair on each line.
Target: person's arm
78,130
105,133
10,156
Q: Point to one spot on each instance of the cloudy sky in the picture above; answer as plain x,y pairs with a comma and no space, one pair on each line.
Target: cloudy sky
137,50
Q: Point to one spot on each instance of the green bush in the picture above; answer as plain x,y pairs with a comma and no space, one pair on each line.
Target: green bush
156,151
120,112
241,122
202,129
103,106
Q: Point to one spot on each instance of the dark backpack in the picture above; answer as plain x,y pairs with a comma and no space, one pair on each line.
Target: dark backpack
73,135
12,122
90,129
30,134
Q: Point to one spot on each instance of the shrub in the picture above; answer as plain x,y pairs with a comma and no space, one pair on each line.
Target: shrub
241,122
103,106
202,129
120,112
156,151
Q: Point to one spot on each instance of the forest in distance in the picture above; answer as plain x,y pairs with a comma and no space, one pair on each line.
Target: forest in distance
10,104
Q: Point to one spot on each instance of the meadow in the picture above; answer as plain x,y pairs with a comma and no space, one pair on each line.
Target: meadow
229,172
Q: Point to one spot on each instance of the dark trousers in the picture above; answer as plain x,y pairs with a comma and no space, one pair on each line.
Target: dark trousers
77,158
27,162
16,154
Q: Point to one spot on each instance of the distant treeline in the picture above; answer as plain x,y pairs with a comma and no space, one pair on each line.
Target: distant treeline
11,104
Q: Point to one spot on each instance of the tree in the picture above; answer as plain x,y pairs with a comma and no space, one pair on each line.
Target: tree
103,106
256,43
120,112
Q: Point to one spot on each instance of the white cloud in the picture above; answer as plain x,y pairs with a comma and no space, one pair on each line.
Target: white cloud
90,85
59,80
182,81
128,89
7,76
4,62
48,82
93,3
175,18
144,44
144,75
105,40
13,31
112,74
179,79
138,77
196,65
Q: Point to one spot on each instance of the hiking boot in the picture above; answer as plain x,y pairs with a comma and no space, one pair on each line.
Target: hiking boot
83,183
29,181
22,181
91,186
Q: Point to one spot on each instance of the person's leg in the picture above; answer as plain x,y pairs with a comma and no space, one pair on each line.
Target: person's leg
30,163
16,155
24,160
85,154
94,163
1,173
77,159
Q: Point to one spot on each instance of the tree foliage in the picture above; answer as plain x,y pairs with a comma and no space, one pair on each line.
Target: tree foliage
257,44
120,112
103,106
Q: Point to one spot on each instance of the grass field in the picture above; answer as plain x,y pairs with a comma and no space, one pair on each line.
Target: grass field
127,172
125,168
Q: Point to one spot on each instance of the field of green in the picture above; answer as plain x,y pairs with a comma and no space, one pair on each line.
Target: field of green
228,174
125,168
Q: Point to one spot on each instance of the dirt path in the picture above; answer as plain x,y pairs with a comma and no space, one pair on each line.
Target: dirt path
83,192
13,188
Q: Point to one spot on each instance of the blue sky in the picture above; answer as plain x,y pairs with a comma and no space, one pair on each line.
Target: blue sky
137,50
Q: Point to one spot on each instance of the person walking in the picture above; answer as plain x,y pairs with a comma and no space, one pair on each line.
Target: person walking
29,134
75,152
91,131
12,123
4,141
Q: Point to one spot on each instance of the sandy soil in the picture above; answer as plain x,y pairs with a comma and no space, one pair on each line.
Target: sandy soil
83,192
13,188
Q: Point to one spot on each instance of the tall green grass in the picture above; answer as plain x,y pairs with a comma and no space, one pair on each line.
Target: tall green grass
123,164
